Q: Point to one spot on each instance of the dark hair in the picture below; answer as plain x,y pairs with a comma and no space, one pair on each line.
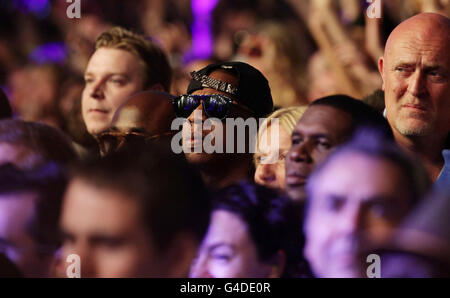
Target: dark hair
5,108
375,100
169,191
48,183
273,222
362,115
371,143
46,142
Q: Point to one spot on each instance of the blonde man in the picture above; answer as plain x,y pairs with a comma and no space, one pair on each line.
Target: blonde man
123,64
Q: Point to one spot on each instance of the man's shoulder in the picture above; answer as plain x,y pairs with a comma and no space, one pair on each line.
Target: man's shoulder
443,181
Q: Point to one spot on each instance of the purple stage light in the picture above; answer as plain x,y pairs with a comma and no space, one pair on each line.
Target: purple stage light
40,8
202,40
49,53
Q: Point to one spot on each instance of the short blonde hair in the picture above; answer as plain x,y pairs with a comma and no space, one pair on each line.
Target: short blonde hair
287,117
153,59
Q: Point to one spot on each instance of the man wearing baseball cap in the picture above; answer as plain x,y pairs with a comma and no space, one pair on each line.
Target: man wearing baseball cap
217,94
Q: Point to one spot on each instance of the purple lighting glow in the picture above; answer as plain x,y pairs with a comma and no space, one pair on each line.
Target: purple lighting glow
49,53
201,29
40,8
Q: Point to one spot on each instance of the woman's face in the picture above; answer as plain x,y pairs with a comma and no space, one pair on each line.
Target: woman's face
227,251
270,169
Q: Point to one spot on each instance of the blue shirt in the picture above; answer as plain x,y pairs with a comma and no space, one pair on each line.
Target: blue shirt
443,181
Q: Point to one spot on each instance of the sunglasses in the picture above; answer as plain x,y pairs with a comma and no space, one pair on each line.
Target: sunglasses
110,141
214,105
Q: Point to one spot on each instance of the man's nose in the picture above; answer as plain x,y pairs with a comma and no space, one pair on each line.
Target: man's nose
86,262
417,83
197,115
300,153
97,90
352,221
200,269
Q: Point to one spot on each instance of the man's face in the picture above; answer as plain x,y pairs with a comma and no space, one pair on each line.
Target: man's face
272,174
320,129
416,81
104,228
228,250
111,76
356,200
16,211
189,131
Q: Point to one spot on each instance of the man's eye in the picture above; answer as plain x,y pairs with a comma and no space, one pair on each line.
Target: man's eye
436,75
262,158
221,257
402,69
118,81
88,80
378,210
296,141
324,144
334,204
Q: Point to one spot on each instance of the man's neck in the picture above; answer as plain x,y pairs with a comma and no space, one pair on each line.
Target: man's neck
227,171
427,148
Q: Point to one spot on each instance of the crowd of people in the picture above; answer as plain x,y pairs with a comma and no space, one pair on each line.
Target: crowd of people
310,138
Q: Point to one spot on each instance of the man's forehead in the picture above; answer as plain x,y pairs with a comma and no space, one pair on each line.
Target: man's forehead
116,60
353,173
422,29
433,50
323,119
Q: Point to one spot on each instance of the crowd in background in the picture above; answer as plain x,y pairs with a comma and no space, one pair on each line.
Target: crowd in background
354,176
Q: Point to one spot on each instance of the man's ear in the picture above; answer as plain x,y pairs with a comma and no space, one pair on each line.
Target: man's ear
278,264
381,70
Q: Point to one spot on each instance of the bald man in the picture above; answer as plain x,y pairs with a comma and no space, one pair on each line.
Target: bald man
416,79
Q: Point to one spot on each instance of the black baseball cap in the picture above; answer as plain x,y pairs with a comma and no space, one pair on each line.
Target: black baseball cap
252,91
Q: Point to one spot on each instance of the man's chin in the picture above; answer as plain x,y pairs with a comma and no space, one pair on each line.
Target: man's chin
297,194
414,129
413,126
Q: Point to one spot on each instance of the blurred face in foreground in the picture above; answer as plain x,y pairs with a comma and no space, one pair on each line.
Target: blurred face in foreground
228,251
105,229
354,200
16,212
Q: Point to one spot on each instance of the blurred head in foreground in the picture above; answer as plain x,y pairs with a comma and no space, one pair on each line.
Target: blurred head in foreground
30,203
30,145
254,233
356,198
138,212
